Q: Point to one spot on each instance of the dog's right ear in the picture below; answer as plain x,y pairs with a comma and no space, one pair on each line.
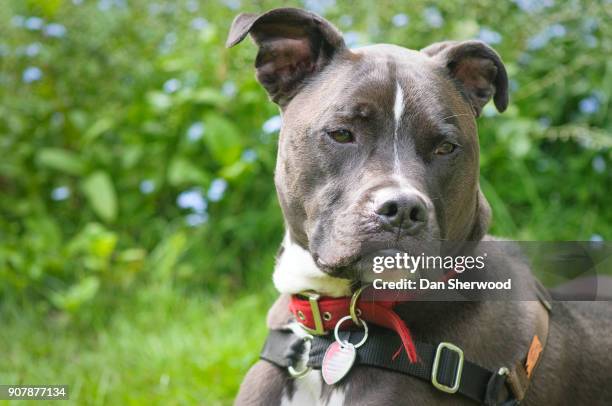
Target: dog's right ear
293,45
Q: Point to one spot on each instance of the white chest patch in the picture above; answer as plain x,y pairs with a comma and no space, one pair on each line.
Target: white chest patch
307,392
307,389
296,271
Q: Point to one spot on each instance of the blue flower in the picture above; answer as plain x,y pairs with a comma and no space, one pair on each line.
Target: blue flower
192,199
249,155
192,6
31,74
513,85
172,85
195,131
168,42
599,164
199,23
589,105
400,20
232,4
533,6
34,23
60,193
272,125
217,189
538,41
229,89
557,30
352,39
489,36
196,219
147,186
154,9
33,49
544,122
433,17
345,20
319,6
55,30
542,38
105,5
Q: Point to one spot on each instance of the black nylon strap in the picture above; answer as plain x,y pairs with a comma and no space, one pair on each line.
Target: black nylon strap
378,352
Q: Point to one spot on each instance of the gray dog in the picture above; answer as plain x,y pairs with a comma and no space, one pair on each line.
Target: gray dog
379,148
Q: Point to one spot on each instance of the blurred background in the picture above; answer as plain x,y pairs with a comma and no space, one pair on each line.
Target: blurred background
138,217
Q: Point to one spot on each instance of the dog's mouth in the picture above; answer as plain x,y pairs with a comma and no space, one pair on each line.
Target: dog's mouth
349,253
356,267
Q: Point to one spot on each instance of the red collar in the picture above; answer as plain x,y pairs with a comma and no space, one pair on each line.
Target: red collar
319,315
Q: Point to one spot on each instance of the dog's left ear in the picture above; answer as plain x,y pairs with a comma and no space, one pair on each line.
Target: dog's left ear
478,70
294,45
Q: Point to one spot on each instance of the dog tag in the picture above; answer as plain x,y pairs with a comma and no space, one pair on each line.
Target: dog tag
337,362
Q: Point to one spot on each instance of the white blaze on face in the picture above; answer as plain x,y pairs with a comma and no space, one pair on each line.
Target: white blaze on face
398,111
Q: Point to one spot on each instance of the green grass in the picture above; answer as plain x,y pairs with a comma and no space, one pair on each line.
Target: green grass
167,349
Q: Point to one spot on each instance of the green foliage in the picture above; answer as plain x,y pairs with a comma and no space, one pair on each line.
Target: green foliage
135,160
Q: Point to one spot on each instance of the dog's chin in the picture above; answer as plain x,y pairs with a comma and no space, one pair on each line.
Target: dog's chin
353,256
359,267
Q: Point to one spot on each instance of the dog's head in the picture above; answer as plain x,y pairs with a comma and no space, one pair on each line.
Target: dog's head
378,148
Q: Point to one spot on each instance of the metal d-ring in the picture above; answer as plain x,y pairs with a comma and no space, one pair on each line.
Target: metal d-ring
353,310
295,374
345,343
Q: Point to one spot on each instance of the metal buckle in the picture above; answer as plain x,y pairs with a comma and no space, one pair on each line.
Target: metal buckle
353,310
305,369
313,299
436,365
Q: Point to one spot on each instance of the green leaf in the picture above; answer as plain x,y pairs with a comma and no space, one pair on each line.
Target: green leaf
82,292
222,139
61,160
181,171
100,193
98,128
209,96
234,171
166,255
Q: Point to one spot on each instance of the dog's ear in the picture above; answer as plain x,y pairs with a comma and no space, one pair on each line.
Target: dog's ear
293,45
476,68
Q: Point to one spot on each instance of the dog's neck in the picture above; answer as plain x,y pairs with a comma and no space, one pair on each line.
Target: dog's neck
429,321
296,271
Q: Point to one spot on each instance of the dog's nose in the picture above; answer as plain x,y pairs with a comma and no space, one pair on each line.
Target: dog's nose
403,210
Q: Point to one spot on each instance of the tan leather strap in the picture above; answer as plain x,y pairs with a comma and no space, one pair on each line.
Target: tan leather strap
520,375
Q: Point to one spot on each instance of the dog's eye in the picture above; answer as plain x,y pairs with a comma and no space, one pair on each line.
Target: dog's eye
445,148
341,136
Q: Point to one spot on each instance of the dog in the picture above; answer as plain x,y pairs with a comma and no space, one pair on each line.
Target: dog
379,149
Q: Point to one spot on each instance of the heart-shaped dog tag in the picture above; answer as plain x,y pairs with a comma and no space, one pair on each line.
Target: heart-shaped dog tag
337,362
